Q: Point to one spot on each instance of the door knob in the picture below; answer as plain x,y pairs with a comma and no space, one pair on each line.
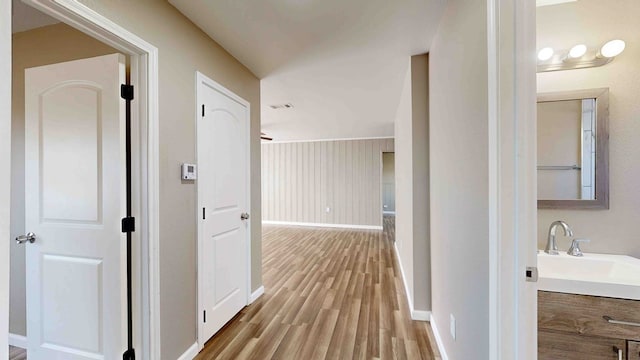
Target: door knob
244,216
30,237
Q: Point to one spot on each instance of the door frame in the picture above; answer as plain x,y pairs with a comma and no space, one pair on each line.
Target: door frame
203,80
511,39
145,157
5,176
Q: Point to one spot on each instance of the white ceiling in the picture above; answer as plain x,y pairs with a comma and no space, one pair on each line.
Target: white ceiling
25,17
341,63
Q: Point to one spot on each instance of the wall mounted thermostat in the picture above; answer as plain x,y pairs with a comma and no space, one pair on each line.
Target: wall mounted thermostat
189,172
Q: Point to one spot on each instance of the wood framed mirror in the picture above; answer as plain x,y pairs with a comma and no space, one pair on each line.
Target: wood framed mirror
573,149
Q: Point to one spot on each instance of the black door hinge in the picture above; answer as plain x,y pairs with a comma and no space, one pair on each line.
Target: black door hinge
205,316
128,224
126,92
202,110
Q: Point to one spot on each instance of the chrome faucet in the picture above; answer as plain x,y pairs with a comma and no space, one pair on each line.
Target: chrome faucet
552,245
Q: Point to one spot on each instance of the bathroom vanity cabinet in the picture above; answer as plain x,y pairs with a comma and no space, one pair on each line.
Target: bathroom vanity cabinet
584,327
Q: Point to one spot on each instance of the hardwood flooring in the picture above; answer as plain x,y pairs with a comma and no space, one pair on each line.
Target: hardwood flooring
329,294
16,353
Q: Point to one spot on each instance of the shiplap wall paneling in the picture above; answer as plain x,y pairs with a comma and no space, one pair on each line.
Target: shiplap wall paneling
302,179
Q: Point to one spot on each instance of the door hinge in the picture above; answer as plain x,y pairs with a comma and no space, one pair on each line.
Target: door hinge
202,110
128,224
204,316
531,274
204,215
126,92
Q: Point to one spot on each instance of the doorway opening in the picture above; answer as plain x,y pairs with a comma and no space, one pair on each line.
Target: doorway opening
49,30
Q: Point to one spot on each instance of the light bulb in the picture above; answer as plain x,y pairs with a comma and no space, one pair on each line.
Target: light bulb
612,48
578,51
545,54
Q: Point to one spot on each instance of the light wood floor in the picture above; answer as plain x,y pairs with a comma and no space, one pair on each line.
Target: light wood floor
329,294
16,353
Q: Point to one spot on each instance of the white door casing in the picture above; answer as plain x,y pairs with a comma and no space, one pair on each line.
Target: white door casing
75,198
222,127
5,175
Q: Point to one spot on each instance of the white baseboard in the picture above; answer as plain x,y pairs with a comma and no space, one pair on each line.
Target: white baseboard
404,278
18,341
340,226
420,315
191,352
256,294
436,334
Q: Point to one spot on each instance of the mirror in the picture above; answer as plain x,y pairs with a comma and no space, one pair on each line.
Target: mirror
573,150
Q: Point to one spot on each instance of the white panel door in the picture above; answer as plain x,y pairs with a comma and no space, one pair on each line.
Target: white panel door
75,198
222,135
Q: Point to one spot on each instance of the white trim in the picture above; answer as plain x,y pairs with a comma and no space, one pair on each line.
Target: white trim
18,341
203,80
5,174
256,294
404,278
420,315
144,61
388,212
436,335
339,226
191,352
321,140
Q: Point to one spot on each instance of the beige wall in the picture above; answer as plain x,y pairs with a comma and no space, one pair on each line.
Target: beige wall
412,183
420,160
458,82
404,184
43,46
559,144
183,50
302,179
595,22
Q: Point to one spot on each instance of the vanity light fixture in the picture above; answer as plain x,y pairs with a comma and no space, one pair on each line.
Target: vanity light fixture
577,51
545,54
612,48
579,56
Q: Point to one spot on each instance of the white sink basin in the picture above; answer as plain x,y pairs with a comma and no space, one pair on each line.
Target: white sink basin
615,276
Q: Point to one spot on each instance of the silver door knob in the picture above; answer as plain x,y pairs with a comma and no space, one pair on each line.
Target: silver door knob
30,237
244,216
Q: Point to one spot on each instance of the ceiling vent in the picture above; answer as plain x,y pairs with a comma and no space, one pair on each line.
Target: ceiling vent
282,106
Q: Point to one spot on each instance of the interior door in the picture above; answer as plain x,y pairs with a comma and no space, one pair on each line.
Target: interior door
75,198
222,135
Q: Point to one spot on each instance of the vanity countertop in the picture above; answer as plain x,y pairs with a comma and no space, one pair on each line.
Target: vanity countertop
616,276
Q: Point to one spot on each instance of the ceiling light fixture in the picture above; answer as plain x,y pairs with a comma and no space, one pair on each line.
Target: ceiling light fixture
545,54
612,48
579,56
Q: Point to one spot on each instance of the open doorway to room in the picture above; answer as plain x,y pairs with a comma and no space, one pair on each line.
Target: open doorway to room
389,193
76,174
587,171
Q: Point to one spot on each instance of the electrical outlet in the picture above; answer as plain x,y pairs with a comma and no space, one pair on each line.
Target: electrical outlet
452,326
328,210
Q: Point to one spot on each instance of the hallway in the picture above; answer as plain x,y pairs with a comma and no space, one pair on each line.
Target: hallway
329,293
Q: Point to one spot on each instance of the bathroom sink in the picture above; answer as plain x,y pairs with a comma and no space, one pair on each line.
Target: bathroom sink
615,276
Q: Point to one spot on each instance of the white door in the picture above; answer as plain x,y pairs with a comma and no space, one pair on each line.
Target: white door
74,202
222,135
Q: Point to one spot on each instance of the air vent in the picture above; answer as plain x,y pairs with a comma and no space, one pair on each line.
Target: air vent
281,106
